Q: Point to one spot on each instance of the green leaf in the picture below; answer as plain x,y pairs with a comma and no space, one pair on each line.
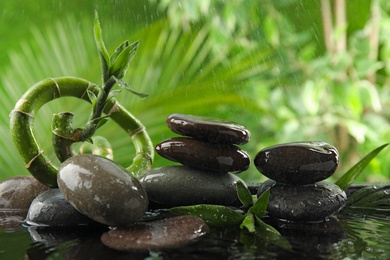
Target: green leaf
260,207
103,53
118,51
122,61
214,215
244,194
92,97
270,234
349,177
113,94
124,85
249,223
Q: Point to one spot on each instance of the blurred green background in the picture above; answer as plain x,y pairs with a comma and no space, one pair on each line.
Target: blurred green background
289,70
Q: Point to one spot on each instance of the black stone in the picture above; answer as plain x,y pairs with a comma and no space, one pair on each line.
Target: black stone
204,155
208,129
298,163
180,186
102,190
51,209
312,202
161,234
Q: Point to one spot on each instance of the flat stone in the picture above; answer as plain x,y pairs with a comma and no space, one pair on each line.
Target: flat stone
157,235
51,209
102,190
208,129
204,155
180,185
312,202
298,163
17,193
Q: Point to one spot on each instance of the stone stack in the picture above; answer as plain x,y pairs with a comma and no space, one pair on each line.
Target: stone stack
296,172
209,156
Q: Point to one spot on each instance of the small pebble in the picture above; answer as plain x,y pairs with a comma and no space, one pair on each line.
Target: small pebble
181,185
208,129
314,202
51,209
298,163
204,155
102,190
156,235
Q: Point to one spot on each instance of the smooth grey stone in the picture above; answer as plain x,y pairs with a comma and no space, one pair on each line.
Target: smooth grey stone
204,155
155,235
298,163
312,202
208,129
102,190
51,209
17,193
180,185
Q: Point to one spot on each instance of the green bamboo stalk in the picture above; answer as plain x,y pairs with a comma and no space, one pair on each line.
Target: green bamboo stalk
22,121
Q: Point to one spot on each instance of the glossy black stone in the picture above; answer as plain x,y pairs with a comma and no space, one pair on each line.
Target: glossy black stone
204,155
102,190
208,129
313,202
298,163
181,185
51,209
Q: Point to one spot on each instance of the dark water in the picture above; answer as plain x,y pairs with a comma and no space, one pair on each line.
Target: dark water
348,236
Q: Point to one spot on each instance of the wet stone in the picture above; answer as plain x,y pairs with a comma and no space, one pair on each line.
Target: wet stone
102,190
51,209
156,235
18,192
204,155
298,163
314,202
180,185
208,129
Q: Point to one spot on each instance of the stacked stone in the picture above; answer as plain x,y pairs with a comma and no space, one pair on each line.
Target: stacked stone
296,172
209,156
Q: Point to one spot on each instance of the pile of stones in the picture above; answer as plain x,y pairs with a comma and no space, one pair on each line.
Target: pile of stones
209,156
296,172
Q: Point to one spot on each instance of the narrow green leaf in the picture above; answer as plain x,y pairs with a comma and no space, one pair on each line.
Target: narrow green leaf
214,215
113,94
248,223
349,177
364,192
118,51
122,61
260,207
92,97
269,233
124,85
103,53
244,194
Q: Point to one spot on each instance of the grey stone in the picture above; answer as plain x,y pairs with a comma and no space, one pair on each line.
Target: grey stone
312,202
51,209
204,155
180,185
18,192
298,163
156,235
208,129
102,190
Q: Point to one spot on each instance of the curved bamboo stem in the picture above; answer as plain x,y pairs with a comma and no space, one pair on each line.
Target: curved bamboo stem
22,120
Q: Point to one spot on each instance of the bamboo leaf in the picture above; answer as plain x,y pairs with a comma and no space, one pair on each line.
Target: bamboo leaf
103,53
270,234
248,223
118,51
244,194
349,177
214,215
92,97
260,207
125,86
122,61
